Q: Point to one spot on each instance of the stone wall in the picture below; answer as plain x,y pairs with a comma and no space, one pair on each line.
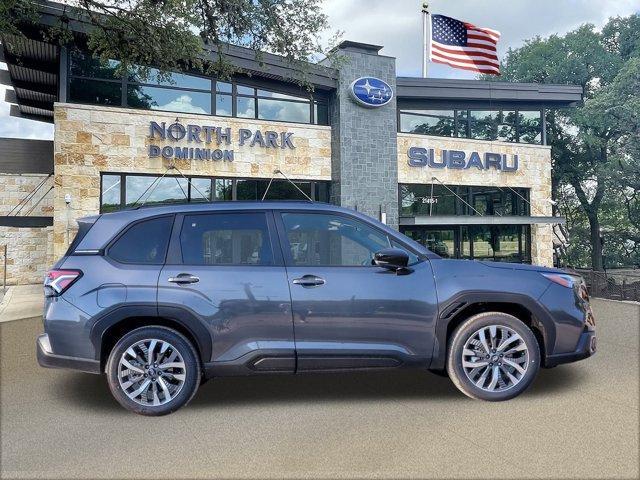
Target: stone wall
92,139
29,252
534,173
364,141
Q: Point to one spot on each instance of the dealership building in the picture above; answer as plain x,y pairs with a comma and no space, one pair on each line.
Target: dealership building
462,166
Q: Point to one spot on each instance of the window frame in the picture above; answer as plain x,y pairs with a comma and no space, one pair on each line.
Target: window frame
464,127
174,251
128,227
469,196
125,82
286,246
122,205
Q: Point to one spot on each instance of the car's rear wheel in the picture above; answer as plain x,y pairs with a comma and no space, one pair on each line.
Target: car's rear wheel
153,371
493,356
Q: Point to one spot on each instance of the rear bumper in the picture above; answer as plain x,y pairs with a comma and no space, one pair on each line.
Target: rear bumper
586,348
47,359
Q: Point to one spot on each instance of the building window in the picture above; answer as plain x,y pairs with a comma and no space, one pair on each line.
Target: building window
504,125
440,123
499,243
437,200
94,82
122,190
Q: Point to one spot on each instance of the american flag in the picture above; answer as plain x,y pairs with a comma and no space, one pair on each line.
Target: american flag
463,45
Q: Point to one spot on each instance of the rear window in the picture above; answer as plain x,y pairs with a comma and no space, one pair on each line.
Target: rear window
144,243
226,239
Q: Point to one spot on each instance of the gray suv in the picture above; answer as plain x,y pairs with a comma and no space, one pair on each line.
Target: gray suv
162,298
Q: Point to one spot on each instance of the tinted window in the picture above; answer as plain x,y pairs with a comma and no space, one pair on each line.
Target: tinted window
331,240
530,130
226,239
152,75
110,200
145,242
149,190
428,122
282,110
84,64
157,98
95,92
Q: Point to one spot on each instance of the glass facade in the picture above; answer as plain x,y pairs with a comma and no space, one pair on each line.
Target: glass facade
95,82
123,190
500,243
524,126
437,199
509,243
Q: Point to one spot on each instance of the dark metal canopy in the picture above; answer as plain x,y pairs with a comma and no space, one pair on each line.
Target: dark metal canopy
442,92
21,155
479,220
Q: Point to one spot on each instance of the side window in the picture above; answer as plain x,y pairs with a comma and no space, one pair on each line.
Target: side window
145,242
331,240
226,239
413,258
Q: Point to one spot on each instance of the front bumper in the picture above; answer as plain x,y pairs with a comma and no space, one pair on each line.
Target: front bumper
586,348
47,359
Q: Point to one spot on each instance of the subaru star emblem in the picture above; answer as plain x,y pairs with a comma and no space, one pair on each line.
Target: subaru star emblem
371,92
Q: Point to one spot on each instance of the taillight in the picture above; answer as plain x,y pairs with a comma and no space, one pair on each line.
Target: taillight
57,281
562,279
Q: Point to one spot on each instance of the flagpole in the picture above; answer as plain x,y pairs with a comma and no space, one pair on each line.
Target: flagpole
426,37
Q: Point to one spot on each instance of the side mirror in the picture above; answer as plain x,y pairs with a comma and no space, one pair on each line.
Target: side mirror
394,259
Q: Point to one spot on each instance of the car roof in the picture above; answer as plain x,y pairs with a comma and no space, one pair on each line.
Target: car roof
144,211
107,224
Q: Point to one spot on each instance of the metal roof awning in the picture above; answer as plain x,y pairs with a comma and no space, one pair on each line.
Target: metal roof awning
480,220
476,93
32,71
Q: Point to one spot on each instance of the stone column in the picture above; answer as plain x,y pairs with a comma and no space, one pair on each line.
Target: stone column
364,140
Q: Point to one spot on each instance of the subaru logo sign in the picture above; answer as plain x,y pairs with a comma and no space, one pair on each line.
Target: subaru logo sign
371,92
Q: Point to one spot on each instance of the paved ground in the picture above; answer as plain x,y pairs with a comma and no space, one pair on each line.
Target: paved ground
578,421
20,302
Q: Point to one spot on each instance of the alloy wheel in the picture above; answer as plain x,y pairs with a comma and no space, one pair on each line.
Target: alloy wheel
495,358
151,372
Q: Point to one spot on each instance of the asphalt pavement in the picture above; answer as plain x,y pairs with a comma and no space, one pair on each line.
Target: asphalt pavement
577,421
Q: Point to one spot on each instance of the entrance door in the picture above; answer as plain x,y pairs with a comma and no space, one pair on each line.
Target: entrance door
347,312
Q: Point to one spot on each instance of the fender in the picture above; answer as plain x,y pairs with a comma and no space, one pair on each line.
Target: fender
458,303
173,313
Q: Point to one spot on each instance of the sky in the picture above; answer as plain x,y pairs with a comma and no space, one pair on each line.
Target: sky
397,25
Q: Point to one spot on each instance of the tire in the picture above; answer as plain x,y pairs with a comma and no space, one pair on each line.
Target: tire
516,369
144,388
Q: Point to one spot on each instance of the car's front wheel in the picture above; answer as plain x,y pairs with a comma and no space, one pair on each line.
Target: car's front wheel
493,356
153,371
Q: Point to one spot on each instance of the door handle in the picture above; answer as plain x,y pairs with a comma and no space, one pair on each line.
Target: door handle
309,281
183,278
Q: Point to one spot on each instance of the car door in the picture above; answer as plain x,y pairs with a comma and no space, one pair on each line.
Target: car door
348,313
225,273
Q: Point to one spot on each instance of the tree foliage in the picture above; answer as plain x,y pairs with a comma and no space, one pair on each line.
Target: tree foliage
595,147
173,34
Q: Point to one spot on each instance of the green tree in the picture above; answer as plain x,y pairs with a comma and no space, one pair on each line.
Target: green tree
594,146
175,34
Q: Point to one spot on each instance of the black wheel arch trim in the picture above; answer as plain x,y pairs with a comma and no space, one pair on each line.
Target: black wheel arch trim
461,301
170,313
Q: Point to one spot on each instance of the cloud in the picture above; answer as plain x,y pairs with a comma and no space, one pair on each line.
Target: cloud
183,103
397,25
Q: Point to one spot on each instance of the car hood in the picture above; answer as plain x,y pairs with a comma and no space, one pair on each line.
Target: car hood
522,266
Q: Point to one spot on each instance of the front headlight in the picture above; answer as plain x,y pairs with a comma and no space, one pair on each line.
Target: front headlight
564,279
